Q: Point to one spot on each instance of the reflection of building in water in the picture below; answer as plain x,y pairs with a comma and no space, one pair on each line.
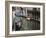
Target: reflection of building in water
26,18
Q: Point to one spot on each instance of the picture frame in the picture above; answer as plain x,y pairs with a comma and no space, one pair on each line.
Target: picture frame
11,6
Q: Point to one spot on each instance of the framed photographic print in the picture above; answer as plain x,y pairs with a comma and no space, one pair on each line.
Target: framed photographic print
25,18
